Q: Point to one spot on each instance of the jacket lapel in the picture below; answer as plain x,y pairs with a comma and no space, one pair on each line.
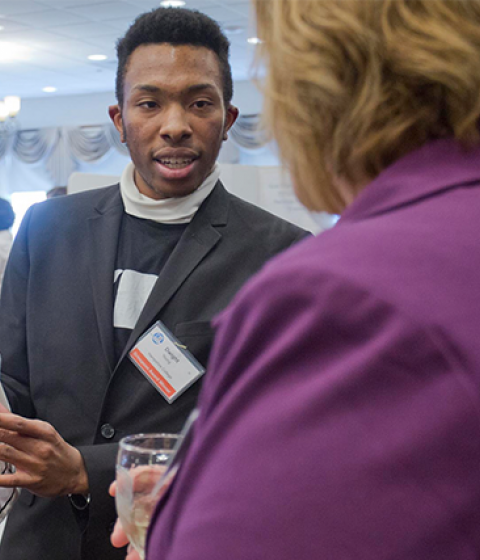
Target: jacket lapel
198,240
103,230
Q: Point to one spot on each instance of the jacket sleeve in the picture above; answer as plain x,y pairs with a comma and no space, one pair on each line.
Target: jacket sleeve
97,519
13,329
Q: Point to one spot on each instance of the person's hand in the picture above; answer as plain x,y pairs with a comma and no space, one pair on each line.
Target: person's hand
45,463
145,480
119,538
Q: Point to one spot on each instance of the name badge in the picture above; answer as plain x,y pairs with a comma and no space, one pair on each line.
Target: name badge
165,362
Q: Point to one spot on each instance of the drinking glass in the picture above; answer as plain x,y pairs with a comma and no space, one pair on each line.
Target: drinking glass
141,462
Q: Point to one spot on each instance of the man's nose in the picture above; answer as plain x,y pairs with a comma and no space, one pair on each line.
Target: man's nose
175,125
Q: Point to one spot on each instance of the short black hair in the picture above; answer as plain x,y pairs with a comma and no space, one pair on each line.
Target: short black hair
175,26
7,215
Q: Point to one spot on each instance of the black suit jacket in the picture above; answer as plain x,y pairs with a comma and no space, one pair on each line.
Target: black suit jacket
57,342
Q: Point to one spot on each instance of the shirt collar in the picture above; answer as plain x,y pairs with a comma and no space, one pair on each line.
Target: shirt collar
436,166
169,210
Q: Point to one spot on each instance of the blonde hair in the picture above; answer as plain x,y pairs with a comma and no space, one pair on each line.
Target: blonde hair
352,85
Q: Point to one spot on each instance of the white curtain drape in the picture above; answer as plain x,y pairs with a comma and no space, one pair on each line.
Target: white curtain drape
56,152
248,133
32,146
89,143
5,140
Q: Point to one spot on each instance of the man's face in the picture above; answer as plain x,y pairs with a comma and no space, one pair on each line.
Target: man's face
173,117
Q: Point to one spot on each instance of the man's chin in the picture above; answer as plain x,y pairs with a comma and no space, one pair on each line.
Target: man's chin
161,192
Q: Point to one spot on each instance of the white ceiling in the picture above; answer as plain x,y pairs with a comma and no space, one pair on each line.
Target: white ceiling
61,34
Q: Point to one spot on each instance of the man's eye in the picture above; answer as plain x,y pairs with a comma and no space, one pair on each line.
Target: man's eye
148,104
202,104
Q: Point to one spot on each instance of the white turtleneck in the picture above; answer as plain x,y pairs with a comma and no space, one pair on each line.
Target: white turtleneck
168,210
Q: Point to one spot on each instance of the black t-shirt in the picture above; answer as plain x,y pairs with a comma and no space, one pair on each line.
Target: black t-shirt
143,249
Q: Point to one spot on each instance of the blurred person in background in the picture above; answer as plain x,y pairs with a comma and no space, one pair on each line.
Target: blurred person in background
341,416
7,217
57,191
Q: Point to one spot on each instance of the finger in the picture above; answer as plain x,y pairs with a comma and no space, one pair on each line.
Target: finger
8,480
18,479
30,469
132,554
22,456
145,480
118,537
6,436
17,441
26,426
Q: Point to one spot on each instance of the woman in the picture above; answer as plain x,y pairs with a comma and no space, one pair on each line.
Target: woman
340,418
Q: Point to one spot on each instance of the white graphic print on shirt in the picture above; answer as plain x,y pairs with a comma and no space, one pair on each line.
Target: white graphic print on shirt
133,291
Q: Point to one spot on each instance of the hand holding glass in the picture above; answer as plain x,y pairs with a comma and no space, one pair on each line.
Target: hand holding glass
141,463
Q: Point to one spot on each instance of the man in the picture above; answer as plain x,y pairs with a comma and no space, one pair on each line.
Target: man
168,244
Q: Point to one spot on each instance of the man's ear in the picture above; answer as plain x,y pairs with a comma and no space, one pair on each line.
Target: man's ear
230,118
116,115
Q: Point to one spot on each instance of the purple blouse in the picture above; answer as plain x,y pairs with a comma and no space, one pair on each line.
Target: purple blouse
340,415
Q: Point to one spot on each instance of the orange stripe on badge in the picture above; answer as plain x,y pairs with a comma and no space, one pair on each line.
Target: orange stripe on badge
152,373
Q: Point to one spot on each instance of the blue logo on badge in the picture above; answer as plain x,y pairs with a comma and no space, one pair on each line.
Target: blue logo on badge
157,338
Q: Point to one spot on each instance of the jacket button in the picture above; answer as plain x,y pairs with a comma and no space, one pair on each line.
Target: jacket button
107,431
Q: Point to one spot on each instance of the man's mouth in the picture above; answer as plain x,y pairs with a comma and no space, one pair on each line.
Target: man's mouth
175,163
